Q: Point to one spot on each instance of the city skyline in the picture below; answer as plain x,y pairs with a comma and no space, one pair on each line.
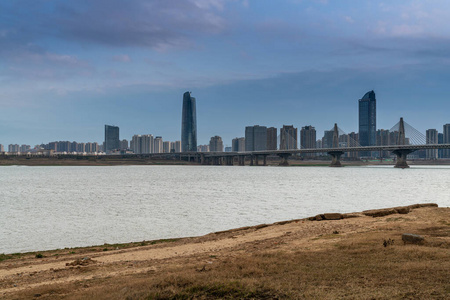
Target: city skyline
66,71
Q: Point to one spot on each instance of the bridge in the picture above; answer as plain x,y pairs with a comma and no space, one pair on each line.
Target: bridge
402,149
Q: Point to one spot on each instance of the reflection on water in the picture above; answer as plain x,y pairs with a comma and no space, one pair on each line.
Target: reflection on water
56,207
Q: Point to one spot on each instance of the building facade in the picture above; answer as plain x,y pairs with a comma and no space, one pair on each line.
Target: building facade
189,124
158,145
271,138
255,138
446,140
112,141
432,138
238,144
367,121
216,144
288,137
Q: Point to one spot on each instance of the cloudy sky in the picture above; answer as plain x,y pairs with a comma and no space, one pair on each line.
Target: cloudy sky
69,67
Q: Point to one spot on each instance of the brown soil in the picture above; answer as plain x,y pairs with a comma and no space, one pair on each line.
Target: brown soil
351,258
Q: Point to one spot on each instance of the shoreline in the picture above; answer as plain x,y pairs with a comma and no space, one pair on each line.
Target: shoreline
354,255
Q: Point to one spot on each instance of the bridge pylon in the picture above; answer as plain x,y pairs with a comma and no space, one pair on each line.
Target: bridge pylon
403,152
335,154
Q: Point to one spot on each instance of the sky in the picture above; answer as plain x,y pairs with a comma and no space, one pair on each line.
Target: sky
67,68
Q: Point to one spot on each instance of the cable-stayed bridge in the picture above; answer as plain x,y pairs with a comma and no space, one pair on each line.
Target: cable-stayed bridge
406,140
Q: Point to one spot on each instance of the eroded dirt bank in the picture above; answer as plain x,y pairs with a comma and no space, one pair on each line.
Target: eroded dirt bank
361,256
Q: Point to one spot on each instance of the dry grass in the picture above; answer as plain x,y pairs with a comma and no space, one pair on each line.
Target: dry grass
336,266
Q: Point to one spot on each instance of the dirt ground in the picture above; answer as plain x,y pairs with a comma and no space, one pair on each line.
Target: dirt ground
361,257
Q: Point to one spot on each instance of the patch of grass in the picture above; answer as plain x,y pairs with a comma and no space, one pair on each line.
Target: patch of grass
39,255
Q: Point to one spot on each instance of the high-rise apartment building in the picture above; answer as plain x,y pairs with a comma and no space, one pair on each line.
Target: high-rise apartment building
13,148
440,141
203,148
24,148
288,137
327,140
308,139
112,141
166,146
271,138
446,140
255,138
238,144
189,124
367,121
123,145
432,138
216,144
177,146
158,145
2,148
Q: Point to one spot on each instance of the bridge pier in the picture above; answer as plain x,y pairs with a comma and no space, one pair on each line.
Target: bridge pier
284,158
241,159
229,160
264,160
335,158
256,160
401,158
251,160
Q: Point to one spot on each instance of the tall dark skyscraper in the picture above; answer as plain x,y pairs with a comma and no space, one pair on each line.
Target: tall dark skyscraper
112,140
189,124
255,138
367,121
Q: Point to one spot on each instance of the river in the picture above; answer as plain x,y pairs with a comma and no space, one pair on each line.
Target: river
46,208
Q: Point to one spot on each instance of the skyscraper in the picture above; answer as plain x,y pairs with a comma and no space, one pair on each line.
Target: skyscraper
189,124
216,144
271,138
112,140
288,137
367,121
255,138
308,139
238,144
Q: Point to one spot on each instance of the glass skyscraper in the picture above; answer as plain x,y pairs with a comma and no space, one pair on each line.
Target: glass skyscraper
112,141
367,121
189,124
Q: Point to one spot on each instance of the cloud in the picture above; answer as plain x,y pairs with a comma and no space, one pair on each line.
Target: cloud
122,58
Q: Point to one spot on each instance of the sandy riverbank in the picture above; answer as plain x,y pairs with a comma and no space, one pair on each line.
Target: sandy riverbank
346,258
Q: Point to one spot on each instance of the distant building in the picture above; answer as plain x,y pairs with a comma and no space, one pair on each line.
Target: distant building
327,140
353,141
227,149
255,138
383,139
13,148
367,121
25,148
177,146
81,147
2,148
158,145
166,146
123,145
189,124
288,137
271,138
203,148
216,144
446,140
112,141
432,138
238,144
308,139
440,141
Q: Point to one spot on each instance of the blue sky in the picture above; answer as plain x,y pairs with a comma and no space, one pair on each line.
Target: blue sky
69,67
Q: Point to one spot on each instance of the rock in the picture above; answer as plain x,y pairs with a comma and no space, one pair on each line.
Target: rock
351,215
402,210
332,216
319,218
428,205
380,212
410,238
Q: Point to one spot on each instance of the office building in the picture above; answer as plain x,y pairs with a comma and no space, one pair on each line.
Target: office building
271,138
432,139
446,140
288,137
189,124
112,141
2,148
238,144
327,140
308,139
367,121
216,144
440,141
255,138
